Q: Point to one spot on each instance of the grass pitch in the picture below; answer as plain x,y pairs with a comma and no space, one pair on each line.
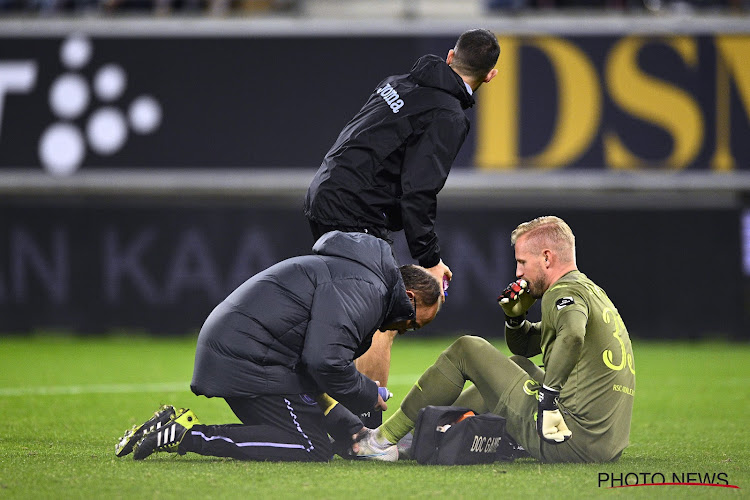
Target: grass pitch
65,400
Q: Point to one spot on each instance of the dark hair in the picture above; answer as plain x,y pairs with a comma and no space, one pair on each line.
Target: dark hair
425,287
476,53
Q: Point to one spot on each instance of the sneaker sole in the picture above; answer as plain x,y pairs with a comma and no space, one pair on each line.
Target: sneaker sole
391,455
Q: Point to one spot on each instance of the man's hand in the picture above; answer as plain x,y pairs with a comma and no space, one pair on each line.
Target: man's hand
356,438
516,299
439,271
549,421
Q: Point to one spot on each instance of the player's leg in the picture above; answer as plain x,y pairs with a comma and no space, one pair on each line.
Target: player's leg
281,428
517,403
468,358
529,367
499,381
508,386
471,398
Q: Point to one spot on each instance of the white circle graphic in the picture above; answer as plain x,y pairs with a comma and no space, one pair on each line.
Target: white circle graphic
61,149
75,52
144,114
106,130
109,82
69,96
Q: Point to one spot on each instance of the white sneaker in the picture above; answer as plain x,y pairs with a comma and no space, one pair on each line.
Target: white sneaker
370,448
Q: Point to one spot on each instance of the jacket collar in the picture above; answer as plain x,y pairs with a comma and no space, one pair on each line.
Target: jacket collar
400,307
432,71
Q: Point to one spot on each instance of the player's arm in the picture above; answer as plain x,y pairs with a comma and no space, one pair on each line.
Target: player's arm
427,163
561,358
522,336
340,423
565,352
524,339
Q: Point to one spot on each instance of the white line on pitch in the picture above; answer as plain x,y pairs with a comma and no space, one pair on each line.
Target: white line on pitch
57,390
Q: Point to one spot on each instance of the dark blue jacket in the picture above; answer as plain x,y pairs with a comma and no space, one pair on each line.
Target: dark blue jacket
298,326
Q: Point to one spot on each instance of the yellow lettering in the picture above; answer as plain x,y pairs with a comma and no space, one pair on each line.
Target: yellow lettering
607,356
528,388
654,101
579,103
732,53
631,367
578,114
497,112
621,388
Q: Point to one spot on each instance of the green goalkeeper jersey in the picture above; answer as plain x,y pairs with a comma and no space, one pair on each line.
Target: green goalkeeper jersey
588,357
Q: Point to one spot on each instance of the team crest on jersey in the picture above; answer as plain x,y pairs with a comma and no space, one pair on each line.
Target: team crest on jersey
564,301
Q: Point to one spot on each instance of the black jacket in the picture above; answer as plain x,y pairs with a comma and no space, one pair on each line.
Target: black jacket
391,160
297,326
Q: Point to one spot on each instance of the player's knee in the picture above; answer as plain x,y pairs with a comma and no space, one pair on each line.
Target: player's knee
467,347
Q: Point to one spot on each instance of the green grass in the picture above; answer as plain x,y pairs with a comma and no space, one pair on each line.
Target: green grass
64,400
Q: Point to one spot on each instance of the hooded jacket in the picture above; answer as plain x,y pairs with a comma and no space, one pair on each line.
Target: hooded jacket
298,326
393,158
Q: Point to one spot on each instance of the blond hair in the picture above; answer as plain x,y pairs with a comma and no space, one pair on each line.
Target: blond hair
551,232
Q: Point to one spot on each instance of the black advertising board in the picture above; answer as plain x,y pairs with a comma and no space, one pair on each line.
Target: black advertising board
119,264
561,101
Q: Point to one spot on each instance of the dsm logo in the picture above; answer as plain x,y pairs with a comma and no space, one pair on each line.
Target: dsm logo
62,146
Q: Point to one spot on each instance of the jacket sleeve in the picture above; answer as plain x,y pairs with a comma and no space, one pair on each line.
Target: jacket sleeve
427,162
342,316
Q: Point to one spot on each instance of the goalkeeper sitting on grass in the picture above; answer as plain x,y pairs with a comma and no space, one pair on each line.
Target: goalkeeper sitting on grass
576,410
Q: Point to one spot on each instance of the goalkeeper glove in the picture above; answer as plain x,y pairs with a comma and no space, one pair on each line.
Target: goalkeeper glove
515,301
549,421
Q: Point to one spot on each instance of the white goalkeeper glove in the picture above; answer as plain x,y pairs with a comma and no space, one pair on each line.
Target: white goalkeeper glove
549,421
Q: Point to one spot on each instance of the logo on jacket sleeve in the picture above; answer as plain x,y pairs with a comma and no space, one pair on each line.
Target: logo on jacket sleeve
565,301
391,97
308,399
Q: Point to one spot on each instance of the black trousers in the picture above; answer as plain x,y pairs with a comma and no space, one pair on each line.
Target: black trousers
287,427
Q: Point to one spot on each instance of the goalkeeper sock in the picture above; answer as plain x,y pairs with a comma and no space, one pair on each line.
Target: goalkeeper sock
440,385
396,427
